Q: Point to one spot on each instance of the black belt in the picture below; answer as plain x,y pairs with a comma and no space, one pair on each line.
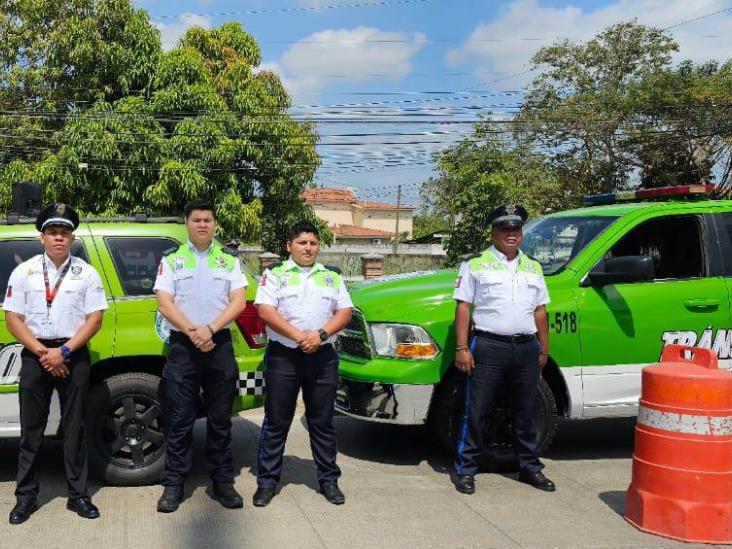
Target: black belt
53,342
516,338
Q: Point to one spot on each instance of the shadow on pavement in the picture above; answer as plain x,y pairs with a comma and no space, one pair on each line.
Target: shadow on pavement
607,438
614,500
385,443
52,475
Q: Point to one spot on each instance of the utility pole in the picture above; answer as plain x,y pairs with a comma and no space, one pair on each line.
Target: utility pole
399,203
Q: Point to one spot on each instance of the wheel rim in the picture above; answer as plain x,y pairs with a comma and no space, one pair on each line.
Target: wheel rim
131,433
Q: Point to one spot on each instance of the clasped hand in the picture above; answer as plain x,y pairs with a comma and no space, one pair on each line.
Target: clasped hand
309,341
201,338
53,361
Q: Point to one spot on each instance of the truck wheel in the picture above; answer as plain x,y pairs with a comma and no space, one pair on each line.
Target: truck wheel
126,440
447,414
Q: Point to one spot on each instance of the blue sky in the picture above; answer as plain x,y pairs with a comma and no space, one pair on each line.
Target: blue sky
406,66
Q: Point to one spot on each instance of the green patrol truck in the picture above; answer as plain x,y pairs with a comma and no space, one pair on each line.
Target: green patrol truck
634,272
125,426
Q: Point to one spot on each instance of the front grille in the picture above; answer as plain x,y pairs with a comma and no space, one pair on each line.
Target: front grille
353,340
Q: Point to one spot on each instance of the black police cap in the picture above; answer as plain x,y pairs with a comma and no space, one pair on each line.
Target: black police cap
57,214
508,215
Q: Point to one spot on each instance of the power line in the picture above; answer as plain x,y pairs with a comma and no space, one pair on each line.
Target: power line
301,9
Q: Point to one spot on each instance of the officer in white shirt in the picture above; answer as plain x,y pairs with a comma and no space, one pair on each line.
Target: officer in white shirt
510,345
200,289
304,305
53,306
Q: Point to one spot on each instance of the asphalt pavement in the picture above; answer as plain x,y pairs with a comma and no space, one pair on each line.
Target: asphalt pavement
399,495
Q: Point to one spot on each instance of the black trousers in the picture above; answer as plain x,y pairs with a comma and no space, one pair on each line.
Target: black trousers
186,371
288,371
36,389
499,364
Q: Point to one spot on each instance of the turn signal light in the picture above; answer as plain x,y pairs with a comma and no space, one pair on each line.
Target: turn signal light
416,350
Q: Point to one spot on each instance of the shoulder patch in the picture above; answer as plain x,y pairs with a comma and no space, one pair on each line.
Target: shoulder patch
171,250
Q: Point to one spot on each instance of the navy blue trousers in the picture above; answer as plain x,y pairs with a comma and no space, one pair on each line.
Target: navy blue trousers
287,371
186,371
499,364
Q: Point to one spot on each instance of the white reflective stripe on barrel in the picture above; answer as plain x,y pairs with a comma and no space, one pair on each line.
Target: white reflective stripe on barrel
685,423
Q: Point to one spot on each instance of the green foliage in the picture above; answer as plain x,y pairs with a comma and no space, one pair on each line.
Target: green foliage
612,113
603,115
476,176
426,223
107,121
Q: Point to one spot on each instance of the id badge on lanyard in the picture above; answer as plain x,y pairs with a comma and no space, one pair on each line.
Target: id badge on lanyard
48,325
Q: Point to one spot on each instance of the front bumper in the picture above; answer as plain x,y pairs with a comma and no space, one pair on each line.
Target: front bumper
384,402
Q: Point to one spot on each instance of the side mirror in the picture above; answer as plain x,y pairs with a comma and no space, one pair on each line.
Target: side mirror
628,268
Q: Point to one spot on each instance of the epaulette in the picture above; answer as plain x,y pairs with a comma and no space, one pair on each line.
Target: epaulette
171,250
230,251
278,264
336,270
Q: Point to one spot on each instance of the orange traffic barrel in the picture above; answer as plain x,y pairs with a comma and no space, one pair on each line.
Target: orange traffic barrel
681,486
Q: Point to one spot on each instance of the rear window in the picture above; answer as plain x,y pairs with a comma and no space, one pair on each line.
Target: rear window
136,260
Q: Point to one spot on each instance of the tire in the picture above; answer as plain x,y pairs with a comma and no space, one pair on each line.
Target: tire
125,425
447,413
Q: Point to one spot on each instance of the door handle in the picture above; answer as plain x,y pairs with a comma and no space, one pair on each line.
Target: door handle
701,303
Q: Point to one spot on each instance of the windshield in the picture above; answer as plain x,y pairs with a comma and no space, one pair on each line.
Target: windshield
555,241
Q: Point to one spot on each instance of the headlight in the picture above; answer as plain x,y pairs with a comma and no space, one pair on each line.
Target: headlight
402,341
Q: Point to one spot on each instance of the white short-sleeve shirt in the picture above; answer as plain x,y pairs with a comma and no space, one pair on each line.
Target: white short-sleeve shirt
81,293
306,298
200,289
504,293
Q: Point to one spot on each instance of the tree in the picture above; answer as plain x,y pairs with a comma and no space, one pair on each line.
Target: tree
426,223
105,120
612,113
477,175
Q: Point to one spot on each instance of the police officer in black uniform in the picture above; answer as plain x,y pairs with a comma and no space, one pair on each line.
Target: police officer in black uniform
200,289
53,306
305,305
510,344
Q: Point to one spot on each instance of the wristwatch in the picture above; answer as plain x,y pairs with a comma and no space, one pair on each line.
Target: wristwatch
65,351
323,334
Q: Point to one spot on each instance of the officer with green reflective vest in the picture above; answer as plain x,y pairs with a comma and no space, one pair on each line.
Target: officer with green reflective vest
304,305
509,347
200,289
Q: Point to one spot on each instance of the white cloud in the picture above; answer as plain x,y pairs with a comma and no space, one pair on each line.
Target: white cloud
347,55
170,33
505,45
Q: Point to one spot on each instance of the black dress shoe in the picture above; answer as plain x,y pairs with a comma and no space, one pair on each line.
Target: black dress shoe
83,507
537,480
22,511
465,484
263,495
333,494
171,499
224,493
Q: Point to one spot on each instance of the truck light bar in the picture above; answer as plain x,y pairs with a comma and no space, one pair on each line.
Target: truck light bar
649,194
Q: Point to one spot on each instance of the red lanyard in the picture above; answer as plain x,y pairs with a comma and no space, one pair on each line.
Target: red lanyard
51,294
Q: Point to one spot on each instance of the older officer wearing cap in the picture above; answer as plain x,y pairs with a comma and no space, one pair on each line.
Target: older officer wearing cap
509,346
54,305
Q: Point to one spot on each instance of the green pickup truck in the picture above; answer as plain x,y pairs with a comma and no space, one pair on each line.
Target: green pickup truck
625,279
125,424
